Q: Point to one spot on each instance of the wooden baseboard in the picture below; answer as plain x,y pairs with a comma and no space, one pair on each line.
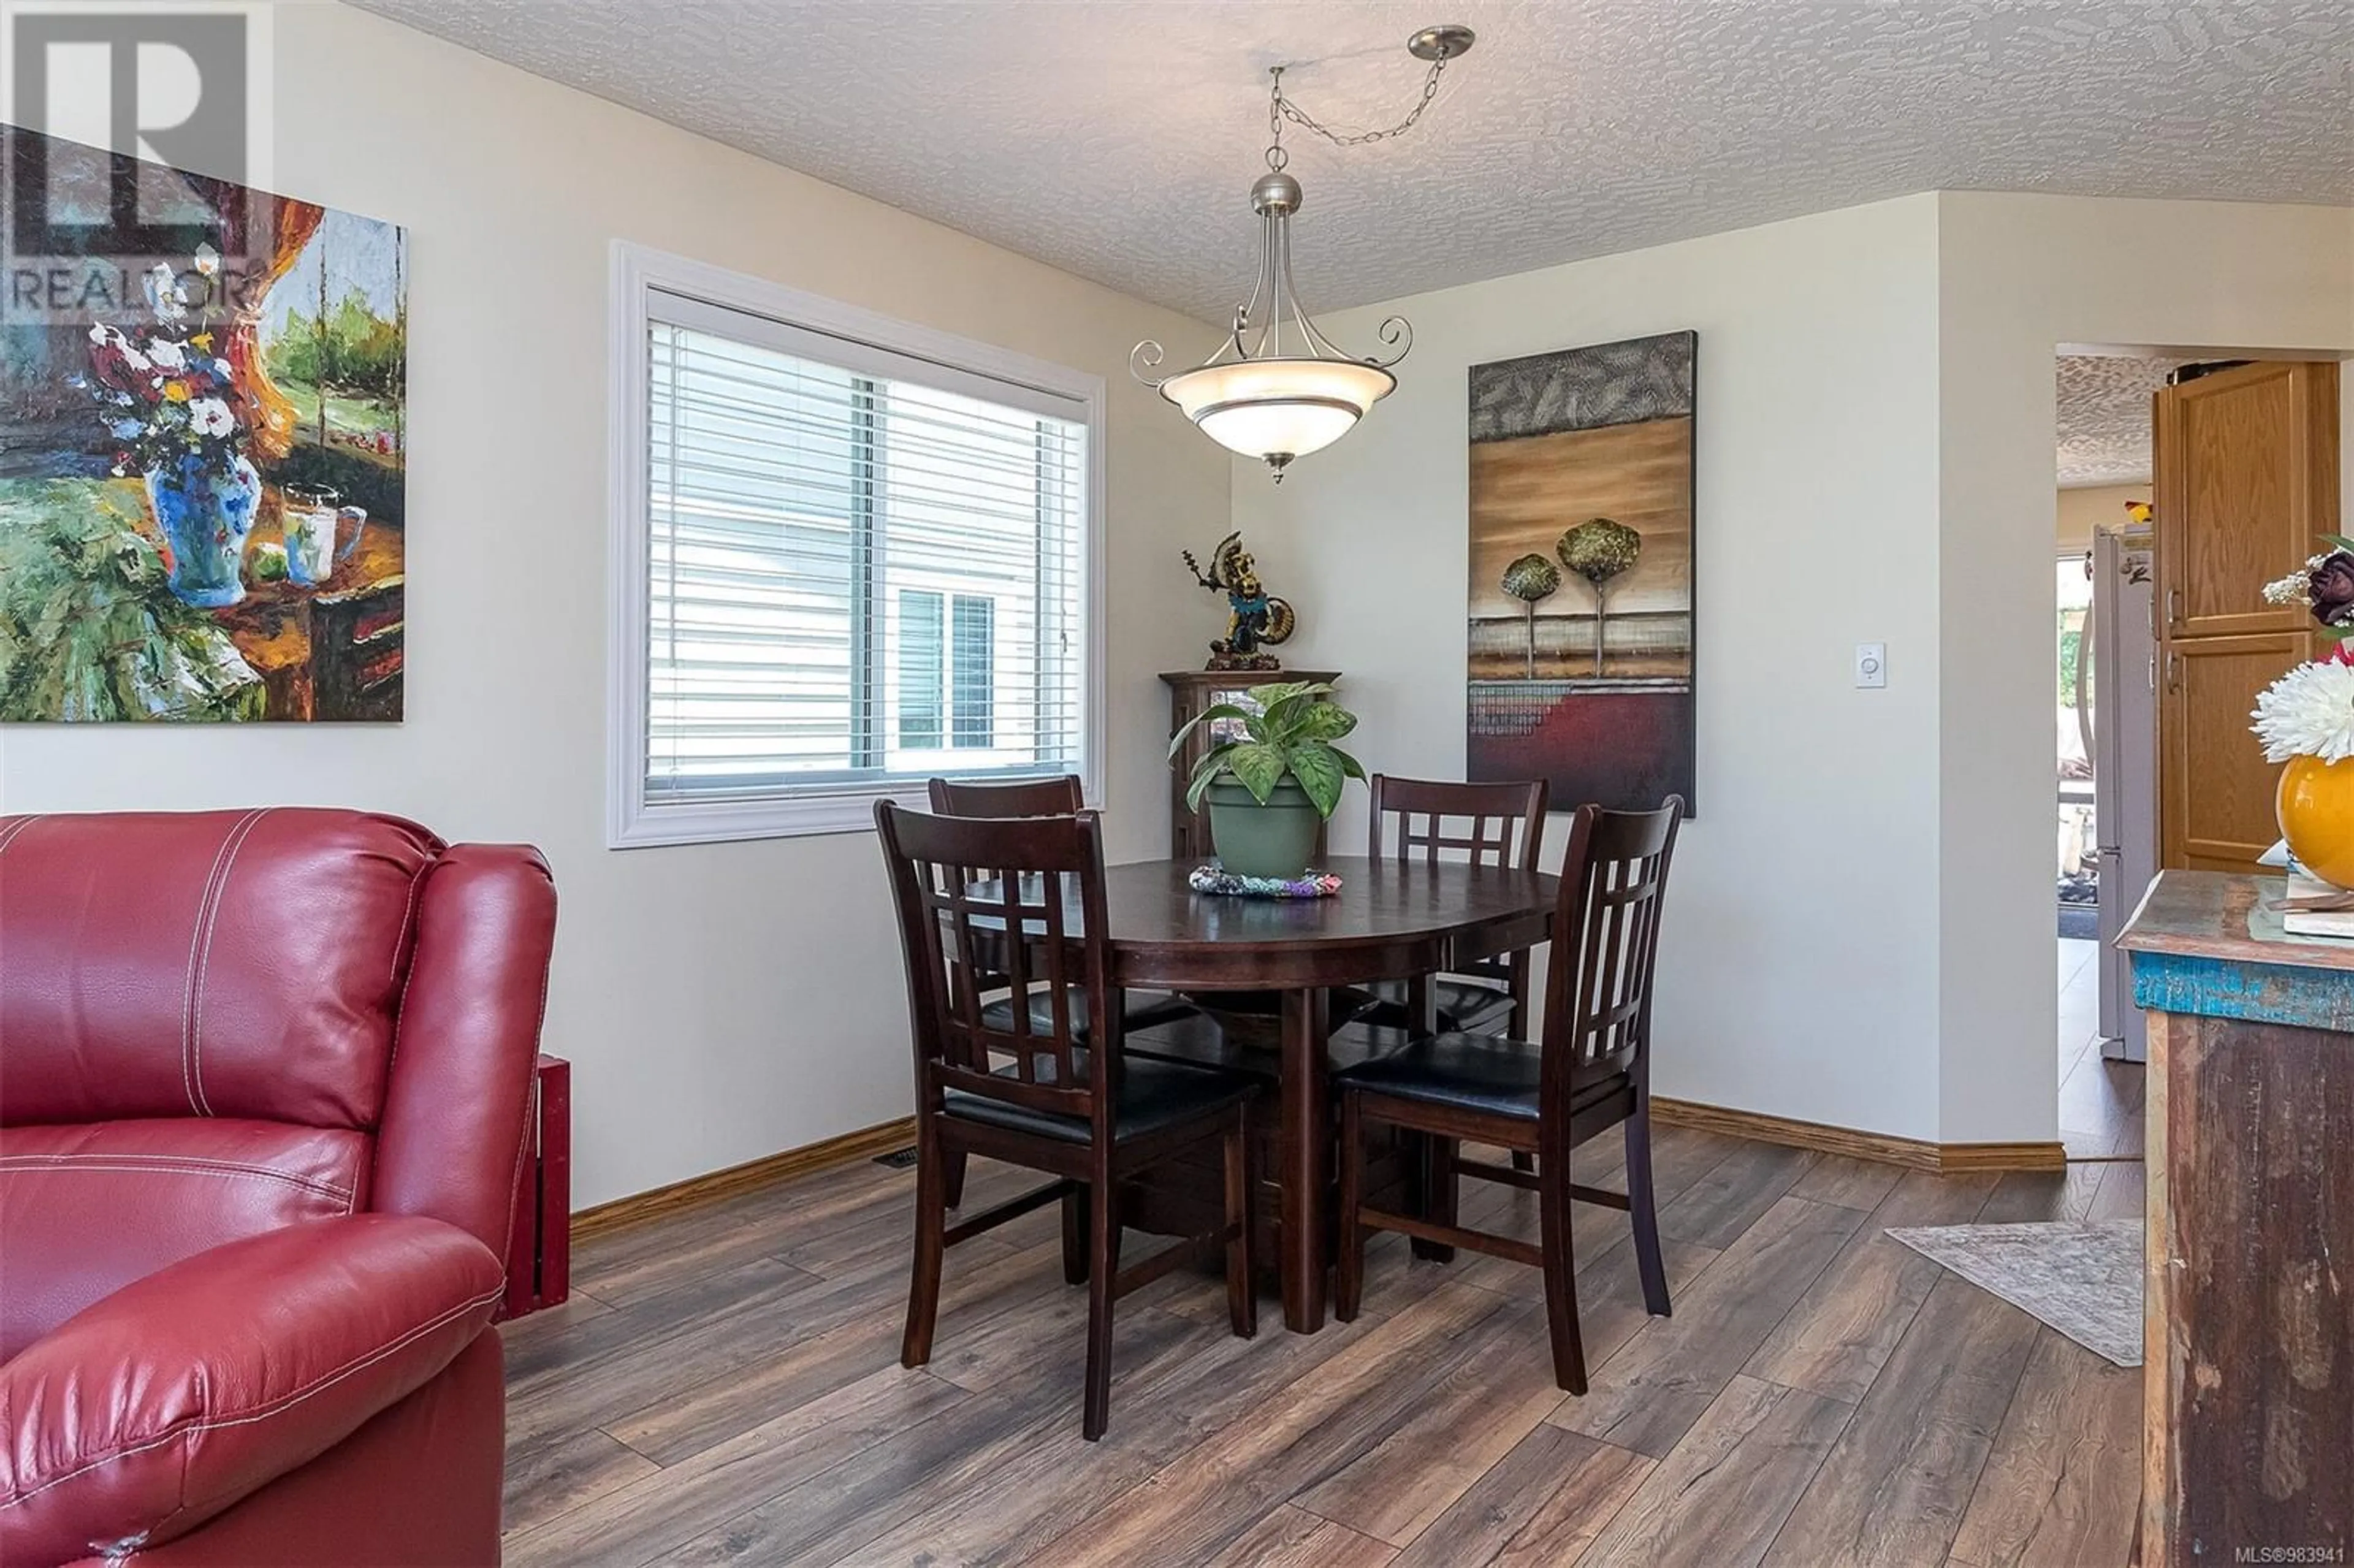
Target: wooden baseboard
898,1134
1914,1154
697,1190
2002,1156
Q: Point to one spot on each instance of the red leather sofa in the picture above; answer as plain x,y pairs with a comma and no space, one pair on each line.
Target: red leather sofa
262,1087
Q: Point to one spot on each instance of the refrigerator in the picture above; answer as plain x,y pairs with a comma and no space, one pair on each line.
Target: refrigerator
2124,752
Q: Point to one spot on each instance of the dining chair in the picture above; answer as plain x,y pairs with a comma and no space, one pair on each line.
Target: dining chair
1488,995
1059,795
979,898
1591,1072
1429,820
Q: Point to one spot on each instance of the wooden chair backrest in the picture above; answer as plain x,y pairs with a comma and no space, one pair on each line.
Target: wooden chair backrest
1057,797
989,904
1614,883
1485,817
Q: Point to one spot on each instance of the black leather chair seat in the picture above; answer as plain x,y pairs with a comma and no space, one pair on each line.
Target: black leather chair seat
1470,1072
1145,1008
1152,1096
1465,1005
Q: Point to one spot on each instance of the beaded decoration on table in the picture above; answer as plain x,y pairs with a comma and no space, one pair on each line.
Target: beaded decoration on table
1215,878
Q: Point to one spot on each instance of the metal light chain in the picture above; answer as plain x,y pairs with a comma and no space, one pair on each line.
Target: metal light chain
1276,156
1280,109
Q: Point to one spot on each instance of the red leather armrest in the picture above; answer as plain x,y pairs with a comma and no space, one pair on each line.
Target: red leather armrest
148,1412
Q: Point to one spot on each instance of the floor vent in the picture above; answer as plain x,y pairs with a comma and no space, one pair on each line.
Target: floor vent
897,1159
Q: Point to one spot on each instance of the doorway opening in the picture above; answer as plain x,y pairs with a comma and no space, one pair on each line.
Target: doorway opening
2105,753
2189,481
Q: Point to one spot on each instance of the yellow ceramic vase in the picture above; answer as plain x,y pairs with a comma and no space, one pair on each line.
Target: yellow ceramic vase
2316,817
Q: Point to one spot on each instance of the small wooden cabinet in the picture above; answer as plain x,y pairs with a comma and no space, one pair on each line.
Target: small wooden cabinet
2248,1319
2246,462
2216,786
539,1247
1191,692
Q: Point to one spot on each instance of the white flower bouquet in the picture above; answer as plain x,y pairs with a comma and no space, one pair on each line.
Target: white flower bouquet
2309,712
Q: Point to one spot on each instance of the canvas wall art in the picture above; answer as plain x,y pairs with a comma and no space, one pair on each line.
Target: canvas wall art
203,423
1581,601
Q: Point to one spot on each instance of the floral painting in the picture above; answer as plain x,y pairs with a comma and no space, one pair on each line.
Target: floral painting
202,450
1581,594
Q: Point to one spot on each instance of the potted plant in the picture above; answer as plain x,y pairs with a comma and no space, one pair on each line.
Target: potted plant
1271,786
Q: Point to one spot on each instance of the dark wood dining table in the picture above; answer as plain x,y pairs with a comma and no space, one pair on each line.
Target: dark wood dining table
1390,921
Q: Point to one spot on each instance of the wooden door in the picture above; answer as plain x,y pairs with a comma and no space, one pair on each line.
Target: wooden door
2247,482
2214,788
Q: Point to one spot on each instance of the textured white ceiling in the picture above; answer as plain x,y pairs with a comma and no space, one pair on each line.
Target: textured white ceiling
1117,139
2103,401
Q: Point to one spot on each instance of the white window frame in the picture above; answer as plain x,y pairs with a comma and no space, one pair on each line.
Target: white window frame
638,272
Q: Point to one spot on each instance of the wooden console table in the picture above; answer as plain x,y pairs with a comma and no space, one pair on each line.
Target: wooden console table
2248,1321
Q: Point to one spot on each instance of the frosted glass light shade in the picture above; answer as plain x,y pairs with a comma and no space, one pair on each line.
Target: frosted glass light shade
1278,410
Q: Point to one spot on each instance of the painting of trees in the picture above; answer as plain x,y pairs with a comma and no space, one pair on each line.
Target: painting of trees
1531,579
1581,465
1599,550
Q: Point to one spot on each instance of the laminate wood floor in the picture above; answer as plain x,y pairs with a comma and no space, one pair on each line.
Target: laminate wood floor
2100,1100
725,1387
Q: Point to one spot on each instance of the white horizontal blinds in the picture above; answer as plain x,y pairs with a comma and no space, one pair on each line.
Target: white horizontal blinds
864,568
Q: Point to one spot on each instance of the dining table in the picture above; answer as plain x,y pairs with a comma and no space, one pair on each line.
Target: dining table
1390,920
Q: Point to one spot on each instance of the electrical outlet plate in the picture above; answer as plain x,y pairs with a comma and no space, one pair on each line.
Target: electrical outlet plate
1871,665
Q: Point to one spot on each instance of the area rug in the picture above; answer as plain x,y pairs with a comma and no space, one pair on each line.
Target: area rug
2083,1280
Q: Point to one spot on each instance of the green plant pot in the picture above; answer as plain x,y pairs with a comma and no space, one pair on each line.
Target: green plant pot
1274,839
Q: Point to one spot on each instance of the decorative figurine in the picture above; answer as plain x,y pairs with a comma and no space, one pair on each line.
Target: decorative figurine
1255,620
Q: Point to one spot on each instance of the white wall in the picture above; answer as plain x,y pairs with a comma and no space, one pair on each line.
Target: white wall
1860,930
1798,968
2018,275
719,1002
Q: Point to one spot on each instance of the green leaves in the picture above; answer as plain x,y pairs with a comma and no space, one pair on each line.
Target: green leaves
1258,768
1317,769
1207,771
1287,708
1288,732
1211,715
1280,692
1325,722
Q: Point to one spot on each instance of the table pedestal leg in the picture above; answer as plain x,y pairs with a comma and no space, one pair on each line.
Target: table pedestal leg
1306,1139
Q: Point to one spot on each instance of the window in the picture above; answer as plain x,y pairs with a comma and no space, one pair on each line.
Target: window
923,667
929,663
975,670
849,555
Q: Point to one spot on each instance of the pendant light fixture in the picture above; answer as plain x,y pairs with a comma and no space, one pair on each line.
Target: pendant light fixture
1277,389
